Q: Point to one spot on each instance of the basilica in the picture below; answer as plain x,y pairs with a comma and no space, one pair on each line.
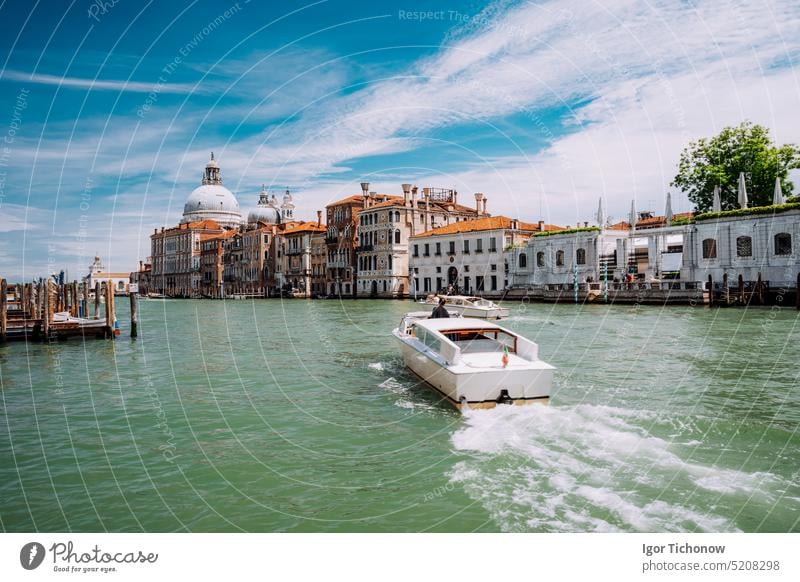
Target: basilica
214,243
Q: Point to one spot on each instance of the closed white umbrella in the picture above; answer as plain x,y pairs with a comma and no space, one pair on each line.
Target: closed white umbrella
716,206
742,191
601,214
668,210
777,196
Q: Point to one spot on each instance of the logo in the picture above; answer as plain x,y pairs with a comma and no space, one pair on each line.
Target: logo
31,555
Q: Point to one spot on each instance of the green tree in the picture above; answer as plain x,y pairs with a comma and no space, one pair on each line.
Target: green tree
717,161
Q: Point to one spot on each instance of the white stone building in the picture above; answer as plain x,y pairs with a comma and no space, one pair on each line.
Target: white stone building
98,274
473,256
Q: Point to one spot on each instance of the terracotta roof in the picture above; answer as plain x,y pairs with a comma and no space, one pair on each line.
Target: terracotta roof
305,227
482,224
204,225
657,221
220,235
349,200
392,201
622,225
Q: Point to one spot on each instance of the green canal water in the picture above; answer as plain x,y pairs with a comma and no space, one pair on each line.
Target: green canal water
299,416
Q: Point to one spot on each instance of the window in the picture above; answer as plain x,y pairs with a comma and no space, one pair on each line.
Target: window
438,249
438,283
466,247
744,246
479,245
466,268
397,216
479,284
709,248
580,256
391,219
523,261
494,267
540,259
466,284
494,282
559,258
416,250
452,250
493,245
427,252
397,237
438,269
783,243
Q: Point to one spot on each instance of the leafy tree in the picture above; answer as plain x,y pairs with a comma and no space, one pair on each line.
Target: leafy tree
717,161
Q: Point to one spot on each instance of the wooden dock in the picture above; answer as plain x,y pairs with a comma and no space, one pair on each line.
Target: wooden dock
47,311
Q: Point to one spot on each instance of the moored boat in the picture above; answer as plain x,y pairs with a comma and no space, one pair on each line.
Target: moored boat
469,306
474,363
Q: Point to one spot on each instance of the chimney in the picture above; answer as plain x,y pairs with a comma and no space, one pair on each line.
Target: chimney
541,225
478,202
319,217
514,224
585,224
406,193
365,193
455,197
485,200
141,266
414,197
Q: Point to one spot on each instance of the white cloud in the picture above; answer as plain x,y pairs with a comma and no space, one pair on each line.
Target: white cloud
98,84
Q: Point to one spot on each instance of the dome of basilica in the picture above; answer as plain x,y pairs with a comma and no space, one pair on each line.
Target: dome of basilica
266,210
212,200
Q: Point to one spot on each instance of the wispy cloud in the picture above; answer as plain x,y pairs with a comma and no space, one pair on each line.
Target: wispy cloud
97,84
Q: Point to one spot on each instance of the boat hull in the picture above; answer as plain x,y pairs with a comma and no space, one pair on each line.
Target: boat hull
482,388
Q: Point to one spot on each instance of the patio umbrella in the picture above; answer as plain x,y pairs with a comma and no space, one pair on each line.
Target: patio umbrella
777,197
668,210
601,214
717,204
742,198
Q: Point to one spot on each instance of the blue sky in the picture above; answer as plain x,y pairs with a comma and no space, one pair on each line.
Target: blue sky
109,114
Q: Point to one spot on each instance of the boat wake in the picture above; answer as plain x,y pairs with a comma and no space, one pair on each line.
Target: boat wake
592,468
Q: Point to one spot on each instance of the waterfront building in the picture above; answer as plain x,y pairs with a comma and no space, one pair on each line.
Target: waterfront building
98,273
176,257
143,276
319,260
341,241
212,201
211,263
472,256
297,256
754,246
385,226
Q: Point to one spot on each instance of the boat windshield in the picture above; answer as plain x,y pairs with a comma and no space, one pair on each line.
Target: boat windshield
482,340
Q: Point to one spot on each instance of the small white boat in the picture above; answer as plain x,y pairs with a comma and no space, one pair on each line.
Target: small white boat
469,306
474,363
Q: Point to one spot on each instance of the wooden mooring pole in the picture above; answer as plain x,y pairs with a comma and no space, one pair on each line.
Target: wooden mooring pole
134,315
97,300
741,290
47,308
710,291
797,293
3,315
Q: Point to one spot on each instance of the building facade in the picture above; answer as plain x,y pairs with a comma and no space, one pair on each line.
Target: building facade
385,228
212,248
176,257
99,274
467,257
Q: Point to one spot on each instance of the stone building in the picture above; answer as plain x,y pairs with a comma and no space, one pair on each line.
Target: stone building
386,225
99,274
471,256
297,257
211,264
176,257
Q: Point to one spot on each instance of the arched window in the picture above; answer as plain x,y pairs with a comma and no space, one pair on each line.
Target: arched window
397,216
559,258
783,243
540,259
710,248
580,256
744,246
397,237
390,262
523,261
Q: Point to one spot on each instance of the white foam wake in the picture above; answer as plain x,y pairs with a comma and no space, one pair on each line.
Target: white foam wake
591,468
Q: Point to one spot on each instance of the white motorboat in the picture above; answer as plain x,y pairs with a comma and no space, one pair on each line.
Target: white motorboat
469,306
474,363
